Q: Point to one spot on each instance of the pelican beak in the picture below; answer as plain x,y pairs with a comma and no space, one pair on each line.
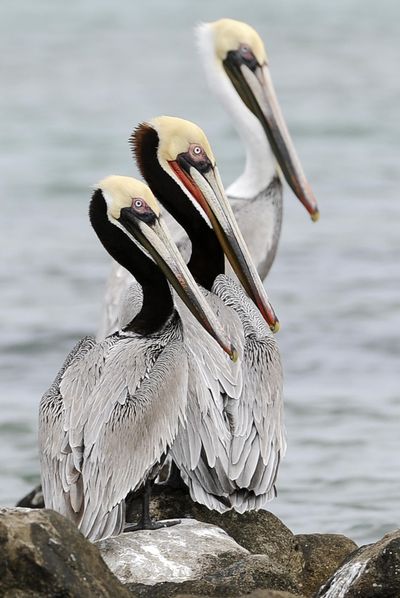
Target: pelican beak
207,189
155,238
254,85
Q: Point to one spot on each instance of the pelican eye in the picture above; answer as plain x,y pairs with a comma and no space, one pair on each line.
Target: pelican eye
139,205
196,157
197,153
142,210
246,54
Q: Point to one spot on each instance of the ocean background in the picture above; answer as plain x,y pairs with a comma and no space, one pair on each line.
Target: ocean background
75,78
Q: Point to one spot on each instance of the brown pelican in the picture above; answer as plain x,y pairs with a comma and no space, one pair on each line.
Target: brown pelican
115,407
229,449
236,65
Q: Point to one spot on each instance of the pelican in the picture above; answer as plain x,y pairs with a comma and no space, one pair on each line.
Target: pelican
229,449
115,407
236,67
237,70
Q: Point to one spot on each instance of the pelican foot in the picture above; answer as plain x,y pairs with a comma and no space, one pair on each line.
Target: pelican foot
150,524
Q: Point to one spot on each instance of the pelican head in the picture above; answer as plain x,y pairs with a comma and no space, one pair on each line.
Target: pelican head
239,52
185,154
132,208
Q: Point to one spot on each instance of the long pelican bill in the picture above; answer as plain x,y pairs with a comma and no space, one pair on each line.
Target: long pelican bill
157,241
207,189
254,85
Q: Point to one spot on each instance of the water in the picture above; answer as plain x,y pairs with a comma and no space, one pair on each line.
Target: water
75,78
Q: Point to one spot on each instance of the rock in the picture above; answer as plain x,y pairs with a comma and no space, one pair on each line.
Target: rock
260,532
271,594
43,554
185,551
256,594
241,577
322,555
192,558
269,556
373,571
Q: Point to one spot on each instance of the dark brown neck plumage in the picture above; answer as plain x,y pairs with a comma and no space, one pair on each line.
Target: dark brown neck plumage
157,304
207,258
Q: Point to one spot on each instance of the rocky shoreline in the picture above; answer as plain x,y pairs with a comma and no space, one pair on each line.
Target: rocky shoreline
254,554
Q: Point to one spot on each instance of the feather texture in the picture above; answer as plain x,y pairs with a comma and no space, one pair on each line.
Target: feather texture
108,419
260,221
57,471
229,450
258,434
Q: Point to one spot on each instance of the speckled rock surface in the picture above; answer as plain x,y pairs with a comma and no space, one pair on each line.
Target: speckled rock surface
43,554
269,555
260,532
255,594
185,551
271,594
254,571
322,555
373,571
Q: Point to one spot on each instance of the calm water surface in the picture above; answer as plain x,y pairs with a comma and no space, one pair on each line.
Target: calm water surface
75,78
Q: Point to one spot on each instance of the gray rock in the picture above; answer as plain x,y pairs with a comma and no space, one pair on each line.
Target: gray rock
271,594
195,558
278,560
185,551
256,594
237,579
322,555
373,571
260,532
43,554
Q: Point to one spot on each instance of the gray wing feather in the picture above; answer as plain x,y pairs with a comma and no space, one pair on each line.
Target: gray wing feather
128,431
201,448
218,372
258,441
117,284
54,458
260,222
131,304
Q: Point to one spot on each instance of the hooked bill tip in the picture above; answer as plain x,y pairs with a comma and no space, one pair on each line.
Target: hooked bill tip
315,216
275,327
234,355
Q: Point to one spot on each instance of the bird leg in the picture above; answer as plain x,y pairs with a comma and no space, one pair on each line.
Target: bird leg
145,521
